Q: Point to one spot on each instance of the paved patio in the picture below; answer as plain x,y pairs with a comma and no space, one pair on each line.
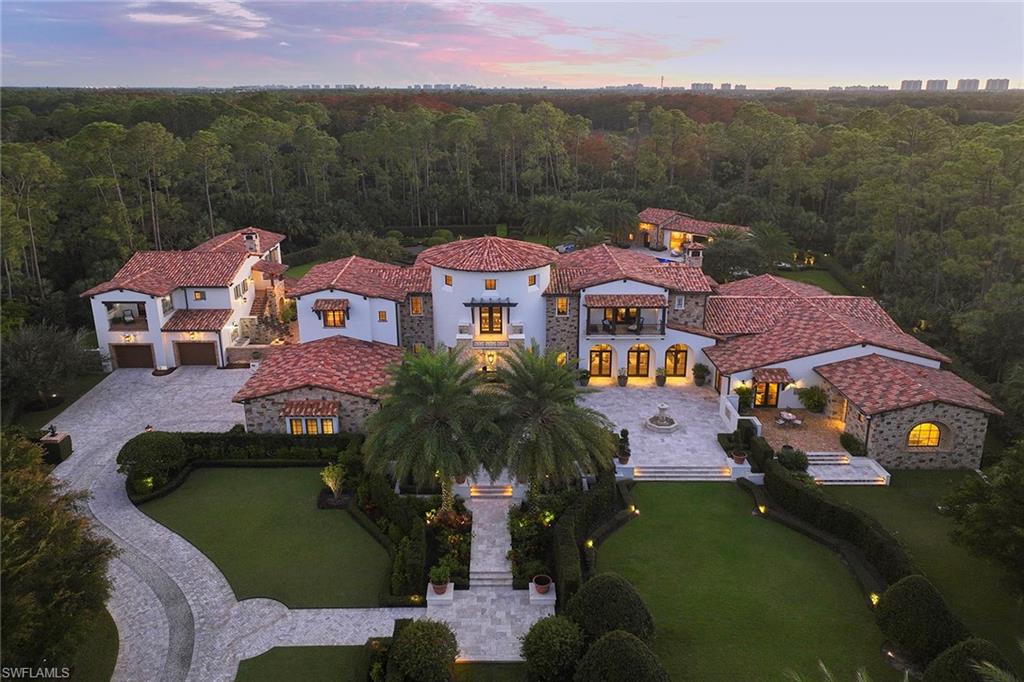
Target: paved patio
817,433
695,443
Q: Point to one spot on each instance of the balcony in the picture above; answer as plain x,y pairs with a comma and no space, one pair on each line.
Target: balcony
137,325
630,322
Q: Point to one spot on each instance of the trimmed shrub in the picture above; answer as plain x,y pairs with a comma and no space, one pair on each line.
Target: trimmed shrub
760,454
852,444
745,397
728,442
609,602
745,432
568,567
242,445
399,569
956,664
913,615
152,455
552,648
813,398
619,656
423,651
792,459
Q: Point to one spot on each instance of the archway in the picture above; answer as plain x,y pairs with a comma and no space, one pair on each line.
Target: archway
638,360
675,360
601,360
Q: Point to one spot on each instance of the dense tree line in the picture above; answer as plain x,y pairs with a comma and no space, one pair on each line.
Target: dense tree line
927,209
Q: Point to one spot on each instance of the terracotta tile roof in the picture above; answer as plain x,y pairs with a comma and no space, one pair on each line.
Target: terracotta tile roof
769,285
694,330
270,267
488,254
336,363
414,280
876,384
353,274
772,375
677,221
232,242
625,300
330,304
310,408
604,263
197,320
773,330
656,216
158,273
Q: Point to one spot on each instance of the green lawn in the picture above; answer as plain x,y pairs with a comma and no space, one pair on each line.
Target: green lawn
71,391
738,597
98,653
306,663
971,585
821,278
297,271
263,530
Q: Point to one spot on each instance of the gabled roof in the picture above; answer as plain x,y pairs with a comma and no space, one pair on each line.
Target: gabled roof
234,241
158,273
488,254
603,263
353,274
414,280
625,301
336,363
876,384
769,285
269,267
197,320
677,221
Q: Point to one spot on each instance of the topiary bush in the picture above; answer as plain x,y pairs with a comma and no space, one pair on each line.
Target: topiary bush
913,615
619,656
792,459
813,398
609,602
552,648
423,651
151,458
956,664
852,444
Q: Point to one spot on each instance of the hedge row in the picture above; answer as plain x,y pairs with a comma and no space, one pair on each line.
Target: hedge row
239,445
913,615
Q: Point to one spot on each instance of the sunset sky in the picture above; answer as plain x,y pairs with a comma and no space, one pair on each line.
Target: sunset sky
571,44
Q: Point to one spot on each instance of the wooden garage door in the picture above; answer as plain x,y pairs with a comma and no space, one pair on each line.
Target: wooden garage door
199,353
133,355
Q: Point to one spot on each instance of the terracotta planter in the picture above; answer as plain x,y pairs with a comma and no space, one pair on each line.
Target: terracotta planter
460,480
739,457
439,589
542,583
699,379
660,380
623,380
623,460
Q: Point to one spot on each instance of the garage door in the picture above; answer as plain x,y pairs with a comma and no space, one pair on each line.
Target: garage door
201,353
133,355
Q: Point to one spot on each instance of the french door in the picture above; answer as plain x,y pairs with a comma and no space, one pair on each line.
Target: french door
766,395
601,362
491,319
638,361
675,362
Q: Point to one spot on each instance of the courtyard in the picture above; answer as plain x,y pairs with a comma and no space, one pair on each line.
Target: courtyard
816,433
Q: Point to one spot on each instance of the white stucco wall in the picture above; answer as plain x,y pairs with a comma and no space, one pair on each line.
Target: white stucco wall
361,323
659,345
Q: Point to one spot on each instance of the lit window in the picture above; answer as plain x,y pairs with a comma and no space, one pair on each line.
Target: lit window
327,426
418,348
680,302
448,279
562,358
562,306
334,318
295,426
311,426
382,316
199,295
490,284
532,280
415,305
925,435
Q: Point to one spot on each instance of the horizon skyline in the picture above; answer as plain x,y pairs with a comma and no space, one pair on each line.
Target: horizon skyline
585,45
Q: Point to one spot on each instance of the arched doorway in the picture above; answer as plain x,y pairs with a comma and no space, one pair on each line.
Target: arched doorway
638,360
675,360
601,360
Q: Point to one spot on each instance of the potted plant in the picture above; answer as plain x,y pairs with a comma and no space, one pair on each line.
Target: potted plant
623,378
744,398
583,377
739,456
542,583
460,479
700,373
624,450
659,376
439,576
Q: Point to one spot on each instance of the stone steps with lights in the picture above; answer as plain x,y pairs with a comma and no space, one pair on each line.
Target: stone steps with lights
490,579
259,303
691,472
490,491
828,458
858,471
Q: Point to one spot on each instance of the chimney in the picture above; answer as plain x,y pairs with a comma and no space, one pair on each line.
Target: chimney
693,254
251,241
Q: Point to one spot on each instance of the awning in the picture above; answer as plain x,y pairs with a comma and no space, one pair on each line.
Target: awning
270,267
625,301
310,408
197,320
489,302
330,304
772,375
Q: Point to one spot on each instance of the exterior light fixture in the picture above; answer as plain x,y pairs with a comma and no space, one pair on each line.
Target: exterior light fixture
193,335
874,598
128,338
589,543
762,509
636,512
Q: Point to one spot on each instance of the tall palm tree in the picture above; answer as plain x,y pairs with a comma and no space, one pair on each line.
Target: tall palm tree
775,242
546,434
618,217
431,423
729,233
586,235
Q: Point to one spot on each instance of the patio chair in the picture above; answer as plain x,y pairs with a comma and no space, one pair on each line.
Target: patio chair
637,325
607,326
798,422
127,316
780,421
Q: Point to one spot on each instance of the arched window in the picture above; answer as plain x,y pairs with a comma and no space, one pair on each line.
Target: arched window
924,435
638,360
601,360
675,360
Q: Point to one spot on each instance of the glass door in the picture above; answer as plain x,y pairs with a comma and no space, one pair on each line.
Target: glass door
639,361
490,320
766,395
601,362
675,362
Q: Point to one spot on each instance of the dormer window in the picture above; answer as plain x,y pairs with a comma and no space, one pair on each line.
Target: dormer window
490,284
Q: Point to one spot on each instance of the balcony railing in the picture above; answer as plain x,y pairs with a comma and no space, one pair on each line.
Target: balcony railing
137,325
626,329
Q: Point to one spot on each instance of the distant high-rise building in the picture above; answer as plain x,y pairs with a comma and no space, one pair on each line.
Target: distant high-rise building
936,85
739,86
996,84
782,88
910,85
878,88
967,85
835,88
702,87
855,88
725,86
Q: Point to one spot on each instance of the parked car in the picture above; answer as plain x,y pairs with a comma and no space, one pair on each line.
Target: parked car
740,273
783,265
565,248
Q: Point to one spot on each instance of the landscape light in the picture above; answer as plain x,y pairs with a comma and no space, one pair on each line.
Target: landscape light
589,543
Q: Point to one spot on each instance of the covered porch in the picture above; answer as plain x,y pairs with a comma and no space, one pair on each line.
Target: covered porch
625,314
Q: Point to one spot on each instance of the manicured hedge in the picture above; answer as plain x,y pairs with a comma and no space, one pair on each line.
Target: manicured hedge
552,648
238,445
609,602
760,454
809,504
852,444
620,656
913,615
956,664
422,651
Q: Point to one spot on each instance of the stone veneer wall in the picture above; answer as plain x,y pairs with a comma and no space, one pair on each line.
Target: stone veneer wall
562,333
263,415
415,329
962,437
855,421
692,314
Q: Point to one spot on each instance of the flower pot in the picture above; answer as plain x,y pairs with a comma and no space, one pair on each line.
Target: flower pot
739,457
439,589
660,380
542,583
623,380
699,379
461,480
623,460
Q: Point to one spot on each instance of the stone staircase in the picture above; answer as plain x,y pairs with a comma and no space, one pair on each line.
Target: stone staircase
684,472
490,579
259,303
828,458
835,468
490,491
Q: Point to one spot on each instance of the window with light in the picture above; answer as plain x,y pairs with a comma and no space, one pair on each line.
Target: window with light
416,305
295,426
448,279
490,284
562,306
199,295
334,318
382,316
925,435
532,280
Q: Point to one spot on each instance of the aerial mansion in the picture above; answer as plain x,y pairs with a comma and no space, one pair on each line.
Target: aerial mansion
615,312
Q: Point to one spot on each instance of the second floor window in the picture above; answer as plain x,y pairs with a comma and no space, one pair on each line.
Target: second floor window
490,284
562,306
201,296
415,305
334,318
382,316
448,279
680,302
532,280
168,303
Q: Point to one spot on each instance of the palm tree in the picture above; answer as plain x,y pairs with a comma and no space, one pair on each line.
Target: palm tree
583,236
993,673
431,423
729,233
546,434
540,213
618,217
775,242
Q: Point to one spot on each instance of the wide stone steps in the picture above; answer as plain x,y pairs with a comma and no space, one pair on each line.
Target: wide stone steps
828,458
691,472
490,491
825,480
490,579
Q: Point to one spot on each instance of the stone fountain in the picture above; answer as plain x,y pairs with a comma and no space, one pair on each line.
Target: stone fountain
661,422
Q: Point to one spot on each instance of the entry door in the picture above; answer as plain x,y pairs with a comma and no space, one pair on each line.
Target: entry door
601,362
639,362
766,395
490,320
675,362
